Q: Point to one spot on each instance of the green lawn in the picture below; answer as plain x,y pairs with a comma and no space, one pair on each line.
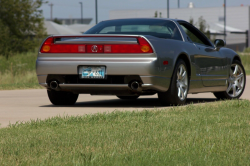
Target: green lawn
207,134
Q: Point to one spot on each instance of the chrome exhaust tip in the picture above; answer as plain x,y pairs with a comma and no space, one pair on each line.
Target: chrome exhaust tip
54,85
135,86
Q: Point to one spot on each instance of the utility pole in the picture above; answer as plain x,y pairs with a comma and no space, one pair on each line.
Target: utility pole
167,8
96,21
225,20
81,13
51,11
178,3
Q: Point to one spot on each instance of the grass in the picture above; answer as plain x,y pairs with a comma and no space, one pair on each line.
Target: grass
18,72
245,58
208,134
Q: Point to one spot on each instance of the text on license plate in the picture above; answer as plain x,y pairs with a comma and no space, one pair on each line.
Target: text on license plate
97,72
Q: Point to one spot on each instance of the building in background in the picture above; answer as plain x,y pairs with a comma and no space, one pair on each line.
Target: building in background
237,20
53,28
71,21
68,26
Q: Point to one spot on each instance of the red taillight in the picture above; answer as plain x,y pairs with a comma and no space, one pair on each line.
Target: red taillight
142,47
50,47
145,47
122,48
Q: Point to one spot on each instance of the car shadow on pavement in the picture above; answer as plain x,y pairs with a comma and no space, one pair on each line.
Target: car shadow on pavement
139,103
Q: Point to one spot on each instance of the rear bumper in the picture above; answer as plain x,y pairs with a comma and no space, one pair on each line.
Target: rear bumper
146,68
149,83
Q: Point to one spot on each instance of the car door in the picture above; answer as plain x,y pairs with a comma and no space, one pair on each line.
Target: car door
210,63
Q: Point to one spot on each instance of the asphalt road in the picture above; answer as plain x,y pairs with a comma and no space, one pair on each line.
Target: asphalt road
23,105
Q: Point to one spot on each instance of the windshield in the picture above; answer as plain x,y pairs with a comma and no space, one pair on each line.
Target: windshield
154,27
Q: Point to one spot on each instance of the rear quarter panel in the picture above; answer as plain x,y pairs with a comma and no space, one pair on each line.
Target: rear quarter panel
169,50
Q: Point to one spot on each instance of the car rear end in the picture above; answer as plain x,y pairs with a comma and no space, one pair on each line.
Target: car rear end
99,64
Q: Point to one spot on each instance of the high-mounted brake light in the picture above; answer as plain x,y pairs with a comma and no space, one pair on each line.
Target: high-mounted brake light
50,47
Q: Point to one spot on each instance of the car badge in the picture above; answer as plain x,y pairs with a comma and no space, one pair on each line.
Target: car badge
94,48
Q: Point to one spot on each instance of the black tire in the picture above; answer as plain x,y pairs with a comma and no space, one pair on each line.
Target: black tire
128,97
171,96
62,98
224,95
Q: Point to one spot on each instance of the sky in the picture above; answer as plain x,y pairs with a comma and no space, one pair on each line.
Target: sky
71,8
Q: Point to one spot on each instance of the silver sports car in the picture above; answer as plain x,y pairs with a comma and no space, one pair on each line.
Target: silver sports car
134,57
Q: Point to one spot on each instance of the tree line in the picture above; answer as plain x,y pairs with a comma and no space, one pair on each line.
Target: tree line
21,26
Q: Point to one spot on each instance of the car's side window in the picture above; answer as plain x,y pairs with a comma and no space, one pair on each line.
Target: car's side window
194,35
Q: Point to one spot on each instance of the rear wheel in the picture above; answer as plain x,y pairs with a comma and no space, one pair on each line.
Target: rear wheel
236,82
177,92
62,98
128,97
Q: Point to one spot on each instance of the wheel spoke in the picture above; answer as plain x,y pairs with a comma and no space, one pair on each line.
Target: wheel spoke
182,93
184,85
229,87
239,76
178,75
183,75
181,70
179,92
235,69
239,85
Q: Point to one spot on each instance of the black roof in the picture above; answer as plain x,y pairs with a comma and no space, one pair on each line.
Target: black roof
134,19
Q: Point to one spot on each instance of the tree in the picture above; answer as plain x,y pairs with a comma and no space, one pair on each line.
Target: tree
201,25
20,21
156,14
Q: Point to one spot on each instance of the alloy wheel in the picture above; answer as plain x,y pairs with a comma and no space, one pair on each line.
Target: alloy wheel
236,81
182,82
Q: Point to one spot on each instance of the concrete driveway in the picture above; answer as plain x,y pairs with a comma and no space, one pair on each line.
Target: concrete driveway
23,105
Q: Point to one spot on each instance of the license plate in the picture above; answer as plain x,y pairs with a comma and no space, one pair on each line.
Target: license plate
92,72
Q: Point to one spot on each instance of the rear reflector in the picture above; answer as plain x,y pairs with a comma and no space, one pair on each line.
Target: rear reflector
165,62
50,47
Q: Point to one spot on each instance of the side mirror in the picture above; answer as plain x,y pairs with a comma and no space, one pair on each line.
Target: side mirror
219,43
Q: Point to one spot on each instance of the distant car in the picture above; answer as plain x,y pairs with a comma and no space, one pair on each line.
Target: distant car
134,57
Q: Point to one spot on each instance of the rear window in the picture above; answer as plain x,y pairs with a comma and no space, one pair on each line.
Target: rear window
154,27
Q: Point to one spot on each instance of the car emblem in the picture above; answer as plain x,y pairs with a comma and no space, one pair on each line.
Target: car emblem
94,48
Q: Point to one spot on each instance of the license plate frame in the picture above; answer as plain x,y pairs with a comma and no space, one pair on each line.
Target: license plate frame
92,72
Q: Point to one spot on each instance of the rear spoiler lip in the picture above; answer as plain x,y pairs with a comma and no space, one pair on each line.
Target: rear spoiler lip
97,35
100,40
100,35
